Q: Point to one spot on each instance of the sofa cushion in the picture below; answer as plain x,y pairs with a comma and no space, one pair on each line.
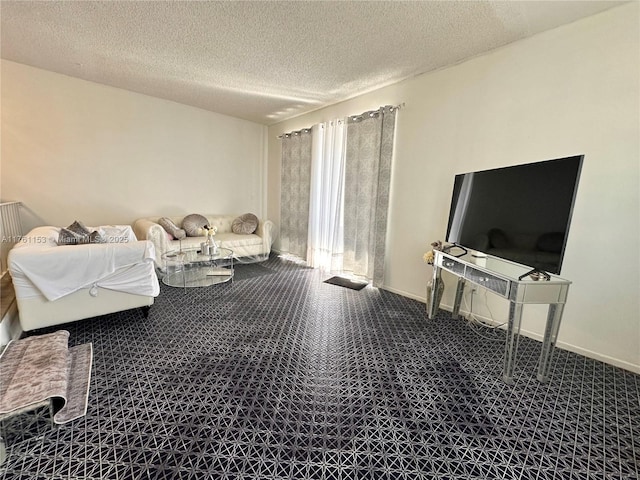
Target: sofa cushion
245,224
193,224
171,228
234,240
117,233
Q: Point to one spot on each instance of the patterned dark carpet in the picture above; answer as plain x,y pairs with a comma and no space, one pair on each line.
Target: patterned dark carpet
282,376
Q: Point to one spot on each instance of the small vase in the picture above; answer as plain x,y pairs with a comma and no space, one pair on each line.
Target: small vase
211,243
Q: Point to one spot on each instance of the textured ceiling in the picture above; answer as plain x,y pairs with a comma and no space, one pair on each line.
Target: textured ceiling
266,61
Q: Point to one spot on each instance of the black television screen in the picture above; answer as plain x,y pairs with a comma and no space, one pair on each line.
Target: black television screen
521,213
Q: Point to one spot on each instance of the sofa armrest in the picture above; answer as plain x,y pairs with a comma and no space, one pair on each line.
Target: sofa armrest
265,231
146,229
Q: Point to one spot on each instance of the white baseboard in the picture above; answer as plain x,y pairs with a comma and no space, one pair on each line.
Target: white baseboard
10,328
616,362
563,345
405,294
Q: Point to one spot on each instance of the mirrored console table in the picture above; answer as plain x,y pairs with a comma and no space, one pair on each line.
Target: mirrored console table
503,278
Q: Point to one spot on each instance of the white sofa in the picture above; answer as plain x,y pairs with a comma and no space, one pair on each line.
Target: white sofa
254,247
57,284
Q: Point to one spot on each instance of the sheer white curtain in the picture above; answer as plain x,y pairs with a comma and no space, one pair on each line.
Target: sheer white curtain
326,213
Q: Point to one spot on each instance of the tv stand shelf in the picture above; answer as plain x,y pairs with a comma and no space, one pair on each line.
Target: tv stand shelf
502,277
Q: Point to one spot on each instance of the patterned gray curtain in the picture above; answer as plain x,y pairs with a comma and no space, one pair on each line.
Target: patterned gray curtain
366,196
295,189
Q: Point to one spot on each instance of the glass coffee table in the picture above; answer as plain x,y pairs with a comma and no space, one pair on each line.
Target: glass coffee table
190,268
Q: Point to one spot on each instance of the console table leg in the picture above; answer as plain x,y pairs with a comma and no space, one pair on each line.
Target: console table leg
513,335
432,308
549,340
458,298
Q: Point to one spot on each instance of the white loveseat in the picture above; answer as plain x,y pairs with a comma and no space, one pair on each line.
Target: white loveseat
253,247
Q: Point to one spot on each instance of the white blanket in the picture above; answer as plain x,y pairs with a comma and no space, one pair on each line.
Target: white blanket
55,271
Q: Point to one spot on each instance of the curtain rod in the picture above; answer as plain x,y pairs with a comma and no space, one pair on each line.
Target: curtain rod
370,113
296,132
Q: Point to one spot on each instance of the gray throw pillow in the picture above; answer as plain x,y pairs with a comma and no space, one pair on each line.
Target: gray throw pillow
95,237
79,229
193,224
245,224
78,234
172,229
67,237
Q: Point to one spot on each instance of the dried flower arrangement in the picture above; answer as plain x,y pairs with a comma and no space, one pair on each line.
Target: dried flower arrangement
429,256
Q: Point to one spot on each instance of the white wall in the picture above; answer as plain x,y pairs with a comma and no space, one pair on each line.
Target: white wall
73,149
572,90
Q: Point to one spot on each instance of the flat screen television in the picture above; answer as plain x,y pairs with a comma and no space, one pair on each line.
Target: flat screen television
521,213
